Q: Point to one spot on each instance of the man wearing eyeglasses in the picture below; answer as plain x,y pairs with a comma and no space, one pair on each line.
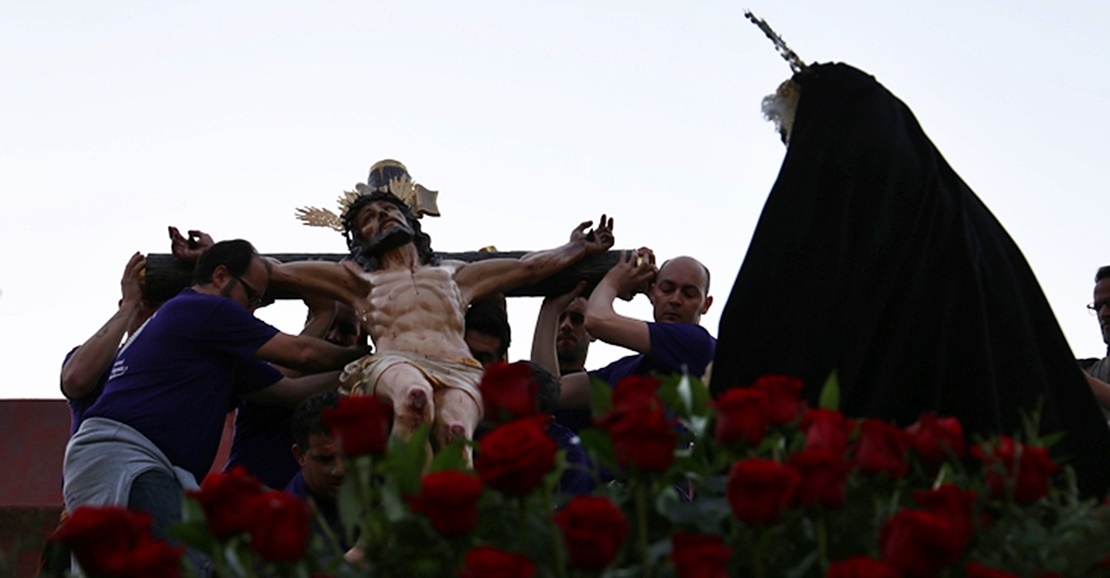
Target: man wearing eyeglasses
1098,370
155,429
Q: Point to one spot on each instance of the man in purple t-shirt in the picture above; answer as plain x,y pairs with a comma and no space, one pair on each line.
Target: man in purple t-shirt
156,427
85,369
674,343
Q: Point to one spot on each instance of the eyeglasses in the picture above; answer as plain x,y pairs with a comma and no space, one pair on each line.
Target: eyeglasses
254,298
1097,306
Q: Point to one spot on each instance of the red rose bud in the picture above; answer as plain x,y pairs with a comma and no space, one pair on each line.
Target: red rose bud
881,449
933,439
509,391
1026,469
513,458
784,401
699,556
824,476
593,530
450,501
741,416
228,501
759,490
489,562
862,567
361,424
826,429
281,527
643,440
916,542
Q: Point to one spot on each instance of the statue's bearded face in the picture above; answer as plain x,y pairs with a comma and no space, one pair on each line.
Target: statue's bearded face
382,226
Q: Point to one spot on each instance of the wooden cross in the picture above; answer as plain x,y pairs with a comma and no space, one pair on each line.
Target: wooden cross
167,275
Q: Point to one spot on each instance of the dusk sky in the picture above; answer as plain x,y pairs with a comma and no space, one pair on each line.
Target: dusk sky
120,118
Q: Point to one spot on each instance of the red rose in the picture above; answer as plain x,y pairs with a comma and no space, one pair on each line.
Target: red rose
593,531
1010,464
881,449
114,541
741,415
636,393
509,392
823,477
861,567
917,543
784,401
933,439
759,490
954,504
361,424
489,562
228,501
450,501
152,557
514,457
699,556
826,429
977,570
643,440
281,527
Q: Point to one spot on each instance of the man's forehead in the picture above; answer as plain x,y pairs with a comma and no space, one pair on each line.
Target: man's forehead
682,273
1103,286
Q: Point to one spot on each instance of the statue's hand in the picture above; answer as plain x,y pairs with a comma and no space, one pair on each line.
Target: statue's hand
189,250
596,240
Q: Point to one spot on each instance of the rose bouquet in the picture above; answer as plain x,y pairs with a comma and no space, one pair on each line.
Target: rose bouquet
755,483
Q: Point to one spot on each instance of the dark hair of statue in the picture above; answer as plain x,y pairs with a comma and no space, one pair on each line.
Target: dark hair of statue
361,253
235,254
308,418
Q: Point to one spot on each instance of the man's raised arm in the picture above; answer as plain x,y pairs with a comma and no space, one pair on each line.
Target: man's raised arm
632,273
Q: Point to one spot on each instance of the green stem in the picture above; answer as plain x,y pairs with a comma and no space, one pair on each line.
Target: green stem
366,495
823,542
556,535
522,520
641,522
755,546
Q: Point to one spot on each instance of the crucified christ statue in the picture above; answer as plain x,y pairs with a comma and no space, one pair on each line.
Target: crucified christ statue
412,305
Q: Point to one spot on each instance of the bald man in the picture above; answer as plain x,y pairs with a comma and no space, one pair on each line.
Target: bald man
673,343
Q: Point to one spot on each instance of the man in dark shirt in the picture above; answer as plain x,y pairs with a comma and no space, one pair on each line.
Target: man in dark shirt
155,429
673,343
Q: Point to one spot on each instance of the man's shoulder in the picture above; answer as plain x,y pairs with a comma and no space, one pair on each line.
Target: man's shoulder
683,330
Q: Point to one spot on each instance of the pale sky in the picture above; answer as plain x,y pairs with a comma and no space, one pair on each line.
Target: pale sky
120,118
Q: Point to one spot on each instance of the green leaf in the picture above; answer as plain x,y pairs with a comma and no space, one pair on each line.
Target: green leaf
601,397
450,457
830,393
